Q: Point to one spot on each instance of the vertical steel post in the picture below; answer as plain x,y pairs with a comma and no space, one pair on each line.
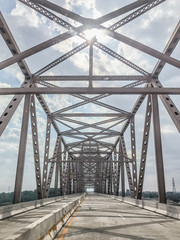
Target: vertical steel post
133,150
57,171
90,65
110,175
75,177
61,170
48,183
158,150
119,168
35,143
22,150
147,124
128,170
114,171
122,168
106,177
68,186
46,157
64,172
56,178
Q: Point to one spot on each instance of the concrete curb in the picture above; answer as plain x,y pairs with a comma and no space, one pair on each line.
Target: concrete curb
14,209
48,226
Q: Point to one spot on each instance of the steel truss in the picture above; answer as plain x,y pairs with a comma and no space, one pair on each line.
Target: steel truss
98,157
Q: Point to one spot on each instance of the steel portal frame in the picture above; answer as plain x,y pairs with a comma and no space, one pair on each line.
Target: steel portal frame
91,161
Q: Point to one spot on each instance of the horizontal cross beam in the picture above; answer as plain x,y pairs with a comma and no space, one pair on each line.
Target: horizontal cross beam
90,115
71,90
94,78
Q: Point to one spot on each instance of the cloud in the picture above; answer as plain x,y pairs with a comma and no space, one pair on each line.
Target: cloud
30,16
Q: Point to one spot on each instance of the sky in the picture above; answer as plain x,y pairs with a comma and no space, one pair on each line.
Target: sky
29,28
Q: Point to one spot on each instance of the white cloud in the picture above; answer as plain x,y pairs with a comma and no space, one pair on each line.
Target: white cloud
30,16
5,85
167,129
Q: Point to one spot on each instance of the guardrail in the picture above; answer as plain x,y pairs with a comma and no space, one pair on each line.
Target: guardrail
154,206
14,209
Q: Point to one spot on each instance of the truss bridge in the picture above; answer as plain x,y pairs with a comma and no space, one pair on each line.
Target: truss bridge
86,100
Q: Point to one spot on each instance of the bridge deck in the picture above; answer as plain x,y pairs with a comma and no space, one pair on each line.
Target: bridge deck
103,218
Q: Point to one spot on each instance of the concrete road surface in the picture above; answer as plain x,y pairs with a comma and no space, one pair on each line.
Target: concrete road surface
100,217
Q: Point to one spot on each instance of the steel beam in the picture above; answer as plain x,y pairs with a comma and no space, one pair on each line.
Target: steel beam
129,177
158,151
48,113
95,101
62,115
13,47
40,47
85,125
61,59
133,151
170,106
145,142
90,153
90,65
170,46
9,112
120,58
61,10
94,78
113,27
134,84
67,35
47,13
22,151
166,99
46,156
35,144
135,91
135,14
51,170
119,168
80,104
122,174
121,11
137,45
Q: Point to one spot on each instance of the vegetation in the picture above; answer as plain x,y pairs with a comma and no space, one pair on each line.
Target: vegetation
148,194
7,198
174,197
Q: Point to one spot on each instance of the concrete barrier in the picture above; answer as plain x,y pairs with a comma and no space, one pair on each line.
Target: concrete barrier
154,206
14,209
48,226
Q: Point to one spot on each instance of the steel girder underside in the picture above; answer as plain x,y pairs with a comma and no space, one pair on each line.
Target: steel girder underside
95,158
